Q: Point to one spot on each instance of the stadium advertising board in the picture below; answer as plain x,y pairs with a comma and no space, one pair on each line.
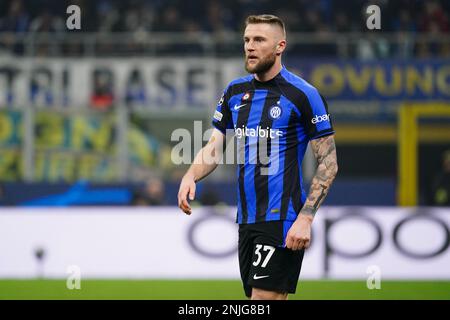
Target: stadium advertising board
347,242
197,83
378,80
157,83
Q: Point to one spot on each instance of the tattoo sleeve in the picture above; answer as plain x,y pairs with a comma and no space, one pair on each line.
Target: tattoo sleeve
324,150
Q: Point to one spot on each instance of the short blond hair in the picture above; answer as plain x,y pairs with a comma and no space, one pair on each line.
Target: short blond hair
266,18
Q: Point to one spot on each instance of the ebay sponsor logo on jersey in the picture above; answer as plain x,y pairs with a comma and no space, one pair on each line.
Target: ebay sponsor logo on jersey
317,119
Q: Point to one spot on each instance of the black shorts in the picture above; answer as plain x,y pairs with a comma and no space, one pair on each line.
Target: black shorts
264,261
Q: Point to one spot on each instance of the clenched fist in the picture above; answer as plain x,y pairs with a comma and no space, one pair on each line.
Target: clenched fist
299,235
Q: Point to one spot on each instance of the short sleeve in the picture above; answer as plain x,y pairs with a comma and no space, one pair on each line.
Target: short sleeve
315,115
222,118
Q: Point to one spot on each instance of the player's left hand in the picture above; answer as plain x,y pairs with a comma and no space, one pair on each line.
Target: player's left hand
299,235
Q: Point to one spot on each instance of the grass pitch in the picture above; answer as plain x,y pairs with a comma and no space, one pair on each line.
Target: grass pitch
216,290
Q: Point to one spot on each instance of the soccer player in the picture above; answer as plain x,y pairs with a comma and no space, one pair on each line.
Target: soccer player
274,213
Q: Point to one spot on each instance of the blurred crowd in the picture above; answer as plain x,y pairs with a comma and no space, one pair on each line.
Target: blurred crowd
216,17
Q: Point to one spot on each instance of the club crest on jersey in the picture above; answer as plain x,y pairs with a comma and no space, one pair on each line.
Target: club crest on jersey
246,96
275,112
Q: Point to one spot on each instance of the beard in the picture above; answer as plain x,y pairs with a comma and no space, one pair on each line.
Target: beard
262,66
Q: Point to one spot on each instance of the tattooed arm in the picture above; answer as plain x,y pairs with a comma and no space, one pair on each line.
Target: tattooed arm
299,235
325,152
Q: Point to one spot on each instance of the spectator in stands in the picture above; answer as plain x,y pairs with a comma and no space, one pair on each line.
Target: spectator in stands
2,196
405,22
135,90
218,18
312,21
108,16
434,18
102,97
46,22
435,22
342,23
17,19
191,30
403,26
169,21
440,189
151,194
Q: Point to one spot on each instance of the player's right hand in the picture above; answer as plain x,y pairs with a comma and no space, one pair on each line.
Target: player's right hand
187,188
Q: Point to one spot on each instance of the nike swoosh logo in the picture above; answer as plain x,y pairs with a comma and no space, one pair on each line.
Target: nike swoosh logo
255,277
237,107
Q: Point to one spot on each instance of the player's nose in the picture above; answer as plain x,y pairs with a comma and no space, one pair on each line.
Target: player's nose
249,51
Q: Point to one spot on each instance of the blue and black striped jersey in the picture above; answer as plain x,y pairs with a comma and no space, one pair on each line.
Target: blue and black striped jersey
285,113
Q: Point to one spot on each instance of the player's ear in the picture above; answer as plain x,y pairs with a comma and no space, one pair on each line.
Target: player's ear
280,47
